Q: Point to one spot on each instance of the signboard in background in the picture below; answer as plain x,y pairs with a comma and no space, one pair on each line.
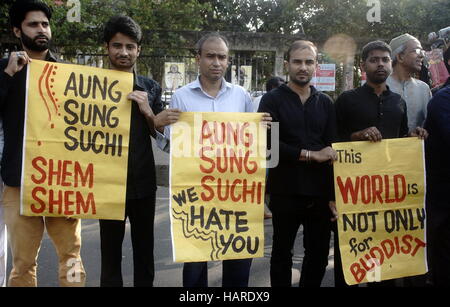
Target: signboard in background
325,78
173,76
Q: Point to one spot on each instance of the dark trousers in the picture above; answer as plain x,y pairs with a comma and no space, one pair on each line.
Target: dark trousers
438,237
288,213
339,280
235,273
141,213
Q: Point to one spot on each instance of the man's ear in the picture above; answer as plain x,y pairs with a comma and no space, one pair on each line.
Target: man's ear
139,50
17,32
399,57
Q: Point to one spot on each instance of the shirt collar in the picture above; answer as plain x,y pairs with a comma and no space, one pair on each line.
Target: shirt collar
196,84
284,86
371,90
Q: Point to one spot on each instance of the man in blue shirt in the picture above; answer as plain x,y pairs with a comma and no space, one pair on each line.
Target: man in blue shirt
211,93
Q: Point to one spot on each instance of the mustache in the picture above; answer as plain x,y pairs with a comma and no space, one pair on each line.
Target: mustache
41,36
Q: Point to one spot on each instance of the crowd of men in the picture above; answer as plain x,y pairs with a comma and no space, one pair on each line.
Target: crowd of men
391,104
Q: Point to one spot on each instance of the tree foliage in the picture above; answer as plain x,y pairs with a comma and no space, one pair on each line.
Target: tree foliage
319,20
417,17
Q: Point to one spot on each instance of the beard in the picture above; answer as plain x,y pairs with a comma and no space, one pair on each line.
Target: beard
377,79
301,82
33,44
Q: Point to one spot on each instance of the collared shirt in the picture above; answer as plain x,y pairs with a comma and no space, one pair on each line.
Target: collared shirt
417,94
192,98
309,126
141,178
231,98
361,108
12,111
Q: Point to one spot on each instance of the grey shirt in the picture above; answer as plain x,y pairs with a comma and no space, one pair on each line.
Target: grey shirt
417,94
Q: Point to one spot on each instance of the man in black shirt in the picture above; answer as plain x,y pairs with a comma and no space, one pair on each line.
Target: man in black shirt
301,186
123,36
371,113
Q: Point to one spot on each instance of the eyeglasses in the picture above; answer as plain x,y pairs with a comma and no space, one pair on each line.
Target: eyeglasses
418,51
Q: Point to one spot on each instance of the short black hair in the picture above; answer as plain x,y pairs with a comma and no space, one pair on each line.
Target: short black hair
375,45
122,24
302,44
273,82
20,8
212,35
447,58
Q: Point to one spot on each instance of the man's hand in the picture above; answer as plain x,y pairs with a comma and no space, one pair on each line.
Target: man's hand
324,155
17,61
141,99
266,120
420,133
333,210
166,117
371,134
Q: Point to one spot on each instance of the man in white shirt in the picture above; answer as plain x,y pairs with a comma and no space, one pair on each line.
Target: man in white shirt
211,93
407,59
407,55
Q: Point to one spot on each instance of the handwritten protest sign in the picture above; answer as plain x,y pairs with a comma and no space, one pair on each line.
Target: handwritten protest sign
76,141
380,199
217,183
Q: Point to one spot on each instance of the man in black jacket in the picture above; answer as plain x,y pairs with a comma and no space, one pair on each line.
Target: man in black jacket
301,186
123,37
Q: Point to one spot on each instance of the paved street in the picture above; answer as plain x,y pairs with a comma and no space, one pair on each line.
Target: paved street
168,273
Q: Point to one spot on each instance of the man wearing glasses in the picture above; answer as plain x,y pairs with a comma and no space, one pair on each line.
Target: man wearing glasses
407,58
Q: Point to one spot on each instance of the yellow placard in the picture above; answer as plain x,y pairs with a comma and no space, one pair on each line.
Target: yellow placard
76,141
217,184
380,190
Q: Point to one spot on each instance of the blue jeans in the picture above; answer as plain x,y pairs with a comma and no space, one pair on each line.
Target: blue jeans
235,273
